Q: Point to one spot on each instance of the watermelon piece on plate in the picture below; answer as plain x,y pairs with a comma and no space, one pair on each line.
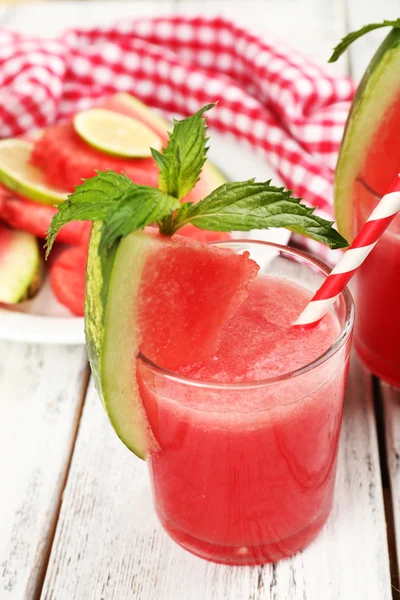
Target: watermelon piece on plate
35,218
65,158
20,265
67,279
370,150
168,298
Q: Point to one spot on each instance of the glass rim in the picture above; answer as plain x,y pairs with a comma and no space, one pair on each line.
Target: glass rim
343,336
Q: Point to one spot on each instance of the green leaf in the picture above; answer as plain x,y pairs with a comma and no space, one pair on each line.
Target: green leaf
91,200
354,35
246,205
138,208
183,158
123,206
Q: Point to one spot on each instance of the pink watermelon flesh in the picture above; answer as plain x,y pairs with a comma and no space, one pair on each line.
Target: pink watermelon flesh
67,279
66,158
6,238
202,235
35,218
187,292
382,159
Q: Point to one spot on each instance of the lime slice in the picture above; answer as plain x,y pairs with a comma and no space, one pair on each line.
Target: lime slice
116,134
19,175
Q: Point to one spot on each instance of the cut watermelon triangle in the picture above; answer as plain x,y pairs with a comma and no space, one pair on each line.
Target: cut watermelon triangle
66,158
67,278
35,218
169,298
369,156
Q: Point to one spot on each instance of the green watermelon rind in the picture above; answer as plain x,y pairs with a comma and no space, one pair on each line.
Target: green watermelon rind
110,333
380,83
21,275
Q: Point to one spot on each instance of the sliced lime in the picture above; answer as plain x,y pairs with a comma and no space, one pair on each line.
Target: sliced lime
115,133
17,173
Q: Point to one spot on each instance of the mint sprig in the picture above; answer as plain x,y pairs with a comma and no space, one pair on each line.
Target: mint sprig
355,35
123,206
246,205
182,160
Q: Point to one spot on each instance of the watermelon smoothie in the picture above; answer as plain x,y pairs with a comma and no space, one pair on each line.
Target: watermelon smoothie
248,439
377,288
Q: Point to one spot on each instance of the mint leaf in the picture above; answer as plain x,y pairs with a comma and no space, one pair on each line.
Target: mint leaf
246,205
90,200
182,160
138,207
354,35
122,205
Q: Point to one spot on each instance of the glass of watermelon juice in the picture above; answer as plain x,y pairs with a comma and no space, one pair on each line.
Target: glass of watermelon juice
377,290
248,439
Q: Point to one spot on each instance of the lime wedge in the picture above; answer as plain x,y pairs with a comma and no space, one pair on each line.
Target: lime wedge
115,133
19,175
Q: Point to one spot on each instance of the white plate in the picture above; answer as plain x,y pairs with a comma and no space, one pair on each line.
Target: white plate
43,320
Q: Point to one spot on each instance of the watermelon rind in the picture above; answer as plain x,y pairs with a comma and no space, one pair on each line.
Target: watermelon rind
378,88
20,268
111,333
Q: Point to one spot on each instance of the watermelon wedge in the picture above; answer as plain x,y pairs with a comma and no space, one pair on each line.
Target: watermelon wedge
35,218
65,158
370,152
167,297
67,278
20,265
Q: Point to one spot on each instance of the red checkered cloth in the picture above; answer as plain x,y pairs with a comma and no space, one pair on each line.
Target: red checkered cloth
269,93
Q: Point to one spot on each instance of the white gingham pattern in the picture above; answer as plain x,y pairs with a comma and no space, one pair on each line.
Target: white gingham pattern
269,94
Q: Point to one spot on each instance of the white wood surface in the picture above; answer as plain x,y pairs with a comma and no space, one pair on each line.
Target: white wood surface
40,400
108,544
391,405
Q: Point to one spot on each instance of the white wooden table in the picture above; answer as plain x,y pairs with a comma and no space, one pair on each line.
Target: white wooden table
76,520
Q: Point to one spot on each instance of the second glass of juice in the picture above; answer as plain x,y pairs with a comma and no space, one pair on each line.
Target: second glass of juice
377,289
248,439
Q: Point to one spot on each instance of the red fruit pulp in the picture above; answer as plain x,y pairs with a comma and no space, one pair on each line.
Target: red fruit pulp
188,290
67,279
377,330
35,218
6,238
245,475
67,159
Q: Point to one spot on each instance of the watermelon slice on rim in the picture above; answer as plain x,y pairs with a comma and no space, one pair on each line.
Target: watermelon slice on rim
65,158
370,152
169,298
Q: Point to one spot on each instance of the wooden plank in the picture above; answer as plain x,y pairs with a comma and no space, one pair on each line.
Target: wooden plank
362,12
40,403
391,406
109,544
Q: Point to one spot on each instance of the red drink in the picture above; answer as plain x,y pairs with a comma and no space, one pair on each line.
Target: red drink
246,466
377,331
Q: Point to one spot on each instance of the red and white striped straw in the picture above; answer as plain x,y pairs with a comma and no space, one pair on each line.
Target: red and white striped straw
354,256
